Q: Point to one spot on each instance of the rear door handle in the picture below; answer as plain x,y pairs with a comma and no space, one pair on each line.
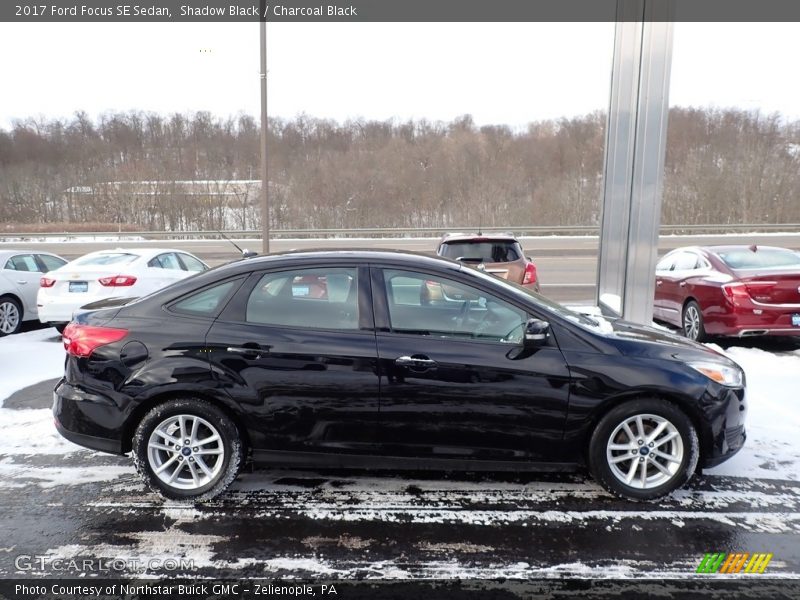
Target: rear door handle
22,282
418,361
659,282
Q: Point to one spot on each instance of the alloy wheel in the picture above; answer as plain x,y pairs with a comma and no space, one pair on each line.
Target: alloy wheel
9,317
645,451
186,452
691,322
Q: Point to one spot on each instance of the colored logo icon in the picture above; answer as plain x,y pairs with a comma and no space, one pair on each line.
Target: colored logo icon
740,562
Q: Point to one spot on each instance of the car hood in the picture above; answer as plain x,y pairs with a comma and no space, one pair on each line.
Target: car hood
652,342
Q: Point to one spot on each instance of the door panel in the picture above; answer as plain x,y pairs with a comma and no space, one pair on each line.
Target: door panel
446,393
302,388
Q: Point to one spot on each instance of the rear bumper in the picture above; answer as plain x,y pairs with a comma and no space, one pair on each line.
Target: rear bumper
56,311
752,319
86,419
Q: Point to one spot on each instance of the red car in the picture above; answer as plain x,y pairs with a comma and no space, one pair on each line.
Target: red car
729,291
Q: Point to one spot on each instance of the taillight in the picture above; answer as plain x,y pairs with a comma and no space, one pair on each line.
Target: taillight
82,340
760,288
735,292
117,281
530,274
47,282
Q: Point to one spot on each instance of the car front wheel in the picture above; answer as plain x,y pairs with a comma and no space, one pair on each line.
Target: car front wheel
644,449
187,449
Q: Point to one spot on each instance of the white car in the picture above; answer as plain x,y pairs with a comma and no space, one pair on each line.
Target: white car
120,273
20,271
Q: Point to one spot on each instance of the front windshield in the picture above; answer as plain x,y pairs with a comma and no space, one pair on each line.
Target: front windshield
541,301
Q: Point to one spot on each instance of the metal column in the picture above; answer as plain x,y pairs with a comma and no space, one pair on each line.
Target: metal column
634,159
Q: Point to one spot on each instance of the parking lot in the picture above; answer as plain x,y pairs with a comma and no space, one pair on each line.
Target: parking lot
63,506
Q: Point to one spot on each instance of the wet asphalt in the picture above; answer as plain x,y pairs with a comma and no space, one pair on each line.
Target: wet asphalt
347,525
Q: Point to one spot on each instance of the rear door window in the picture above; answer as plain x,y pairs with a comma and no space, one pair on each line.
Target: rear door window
51,263
22,262
323,298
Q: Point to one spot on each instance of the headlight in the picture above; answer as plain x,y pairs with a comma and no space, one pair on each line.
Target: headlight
723,374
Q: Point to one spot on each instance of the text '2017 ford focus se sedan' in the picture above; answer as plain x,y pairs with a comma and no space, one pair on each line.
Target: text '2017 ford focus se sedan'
347,359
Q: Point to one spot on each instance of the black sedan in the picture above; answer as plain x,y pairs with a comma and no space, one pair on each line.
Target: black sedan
388,360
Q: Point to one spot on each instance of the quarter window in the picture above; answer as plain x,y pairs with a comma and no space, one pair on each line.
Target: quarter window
428,305
325,298
192,264
206,302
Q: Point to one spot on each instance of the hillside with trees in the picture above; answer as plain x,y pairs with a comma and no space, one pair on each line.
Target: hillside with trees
130,170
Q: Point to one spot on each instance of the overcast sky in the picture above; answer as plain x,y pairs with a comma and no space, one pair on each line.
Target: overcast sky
501,73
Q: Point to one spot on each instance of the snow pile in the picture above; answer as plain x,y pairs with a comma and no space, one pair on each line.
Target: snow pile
28,358
773,419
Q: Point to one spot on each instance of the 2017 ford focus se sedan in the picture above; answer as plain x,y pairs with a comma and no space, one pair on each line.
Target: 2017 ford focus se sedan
347,359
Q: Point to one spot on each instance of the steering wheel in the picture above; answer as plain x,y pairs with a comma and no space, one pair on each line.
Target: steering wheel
463,319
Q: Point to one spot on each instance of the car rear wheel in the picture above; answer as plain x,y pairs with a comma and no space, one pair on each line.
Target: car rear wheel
693,322
10,316
187,449
644,449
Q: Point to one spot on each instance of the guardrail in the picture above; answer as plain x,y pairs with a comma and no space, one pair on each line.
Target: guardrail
390,232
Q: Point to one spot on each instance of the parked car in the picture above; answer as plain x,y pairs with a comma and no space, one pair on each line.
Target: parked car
729,291
120,273
497,254
20,271
242,361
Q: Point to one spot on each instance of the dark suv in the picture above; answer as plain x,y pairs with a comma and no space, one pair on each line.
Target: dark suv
344,359
498,254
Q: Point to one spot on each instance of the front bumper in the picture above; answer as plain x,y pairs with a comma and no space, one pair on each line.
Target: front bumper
87,419
726,410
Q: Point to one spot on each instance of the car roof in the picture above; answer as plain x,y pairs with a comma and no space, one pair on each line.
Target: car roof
722,248
466,237
143,252
5,253
359,255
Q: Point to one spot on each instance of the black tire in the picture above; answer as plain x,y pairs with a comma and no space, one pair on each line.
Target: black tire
692,324
654,408
230,442
60,327
11,309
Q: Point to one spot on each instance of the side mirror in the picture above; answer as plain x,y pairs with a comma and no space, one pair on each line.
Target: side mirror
536,333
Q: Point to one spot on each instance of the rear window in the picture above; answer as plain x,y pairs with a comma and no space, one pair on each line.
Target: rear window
485,251
760,259
111,258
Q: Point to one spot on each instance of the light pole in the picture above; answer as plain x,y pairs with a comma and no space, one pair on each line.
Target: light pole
264,172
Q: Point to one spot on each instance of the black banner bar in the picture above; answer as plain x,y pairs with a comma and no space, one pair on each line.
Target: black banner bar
66,11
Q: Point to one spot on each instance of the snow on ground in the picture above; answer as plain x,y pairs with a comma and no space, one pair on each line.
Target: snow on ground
772,450
28,358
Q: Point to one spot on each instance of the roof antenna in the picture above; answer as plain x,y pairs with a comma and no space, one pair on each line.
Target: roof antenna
245,253
753,248
480,224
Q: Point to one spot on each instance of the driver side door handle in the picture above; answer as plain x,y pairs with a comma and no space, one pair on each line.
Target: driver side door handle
417,361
